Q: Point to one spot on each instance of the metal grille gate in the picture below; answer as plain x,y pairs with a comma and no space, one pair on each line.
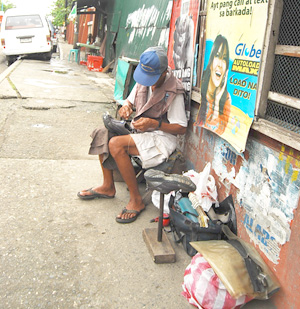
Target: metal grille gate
286,72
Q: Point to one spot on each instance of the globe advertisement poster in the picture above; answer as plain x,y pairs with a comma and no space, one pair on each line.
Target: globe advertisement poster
235,33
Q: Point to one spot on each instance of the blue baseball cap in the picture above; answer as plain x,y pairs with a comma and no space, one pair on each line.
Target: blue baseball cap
153,62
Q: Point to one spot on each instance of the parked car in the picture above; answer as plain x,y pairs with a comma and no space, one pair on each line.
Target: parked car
25,33
53,36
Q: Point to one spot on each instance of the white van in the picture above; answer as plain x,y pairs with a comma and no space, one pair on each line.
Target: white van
25,33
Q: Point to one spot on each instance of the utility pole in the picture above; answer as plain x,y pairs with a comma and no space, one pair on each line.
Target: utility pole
76,30
65,25
66,5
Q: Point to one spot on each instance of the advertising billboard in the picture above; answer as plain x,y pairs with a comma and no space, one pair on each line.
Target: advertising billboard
234,40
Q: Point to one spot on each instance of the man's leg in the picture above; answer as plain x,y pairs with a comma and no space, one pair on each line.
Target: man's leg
120,147
108,185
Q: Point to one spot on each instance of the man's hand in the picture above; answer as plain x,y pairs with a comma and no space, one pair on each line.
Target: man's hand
148,124
144,124
126,110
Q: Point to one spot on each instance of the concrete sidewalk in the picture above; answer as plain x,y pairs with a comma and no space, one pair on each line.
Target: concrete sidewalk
58,251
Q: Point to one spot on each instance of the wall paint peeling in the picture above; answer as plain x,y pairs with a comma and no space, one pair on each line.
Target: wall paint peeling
268,189
224,154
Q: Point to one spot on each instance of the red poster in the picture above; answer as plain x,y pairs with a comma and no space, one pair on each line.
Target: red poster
183,27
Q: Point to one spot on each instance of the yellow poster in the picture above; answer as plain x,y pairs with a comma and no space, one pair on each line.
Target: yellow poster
235,33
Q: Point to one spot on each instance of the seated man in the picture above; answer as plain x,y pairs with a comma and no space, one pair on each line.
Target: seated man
160,115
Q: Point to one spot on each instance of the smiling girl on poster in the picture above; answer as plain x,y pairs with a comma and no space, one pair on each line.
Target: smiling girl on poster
215,100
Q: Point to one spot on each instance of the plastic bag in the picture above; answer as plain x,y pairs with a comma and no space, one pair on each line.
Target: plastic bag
156,200
203,289
206,187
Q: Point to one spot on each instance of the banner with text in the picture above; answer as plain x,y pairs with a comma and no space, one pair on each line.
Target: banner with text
183,26
234,39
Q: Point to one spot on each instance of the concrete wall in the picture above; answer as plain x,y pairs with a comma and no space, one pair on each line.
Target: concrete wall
265,182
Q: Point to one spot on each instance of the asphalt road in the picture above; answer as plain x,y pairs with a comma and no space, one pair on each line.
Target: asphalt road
3,65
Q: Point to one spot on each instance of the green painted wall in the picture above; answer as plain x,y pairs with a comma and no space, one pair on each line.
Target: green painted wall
136,25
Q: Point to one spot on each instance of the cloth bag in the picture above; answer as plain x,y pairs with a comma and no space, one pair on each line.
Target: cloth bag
186,230
243,272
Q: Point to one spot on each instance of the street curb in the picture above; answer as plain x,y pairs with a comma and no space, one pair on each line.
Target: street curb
10,69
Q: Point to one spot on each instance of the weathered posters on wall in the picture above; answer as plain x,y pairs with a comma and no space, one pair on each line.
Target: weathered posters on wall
183,26
267,189
234,39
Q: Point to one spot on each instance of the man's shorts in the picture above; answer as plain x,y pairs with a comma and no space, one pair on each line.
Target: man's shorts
154,147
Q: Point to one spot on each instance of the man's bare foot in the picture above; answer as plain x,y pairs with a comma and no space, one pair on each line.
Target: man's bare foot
99,192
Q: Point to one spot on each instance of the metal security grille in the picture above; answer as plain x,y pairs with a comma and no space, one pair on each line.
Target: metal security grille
286,71
284,116
289,33
286,75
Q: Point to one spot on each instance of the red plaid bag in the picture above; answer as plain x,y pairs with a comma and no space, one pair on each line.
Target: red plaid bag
203,289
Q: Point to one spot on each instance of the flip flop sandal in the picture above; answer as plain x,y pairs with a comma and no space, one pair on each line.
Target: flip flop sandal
93,195
129,211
